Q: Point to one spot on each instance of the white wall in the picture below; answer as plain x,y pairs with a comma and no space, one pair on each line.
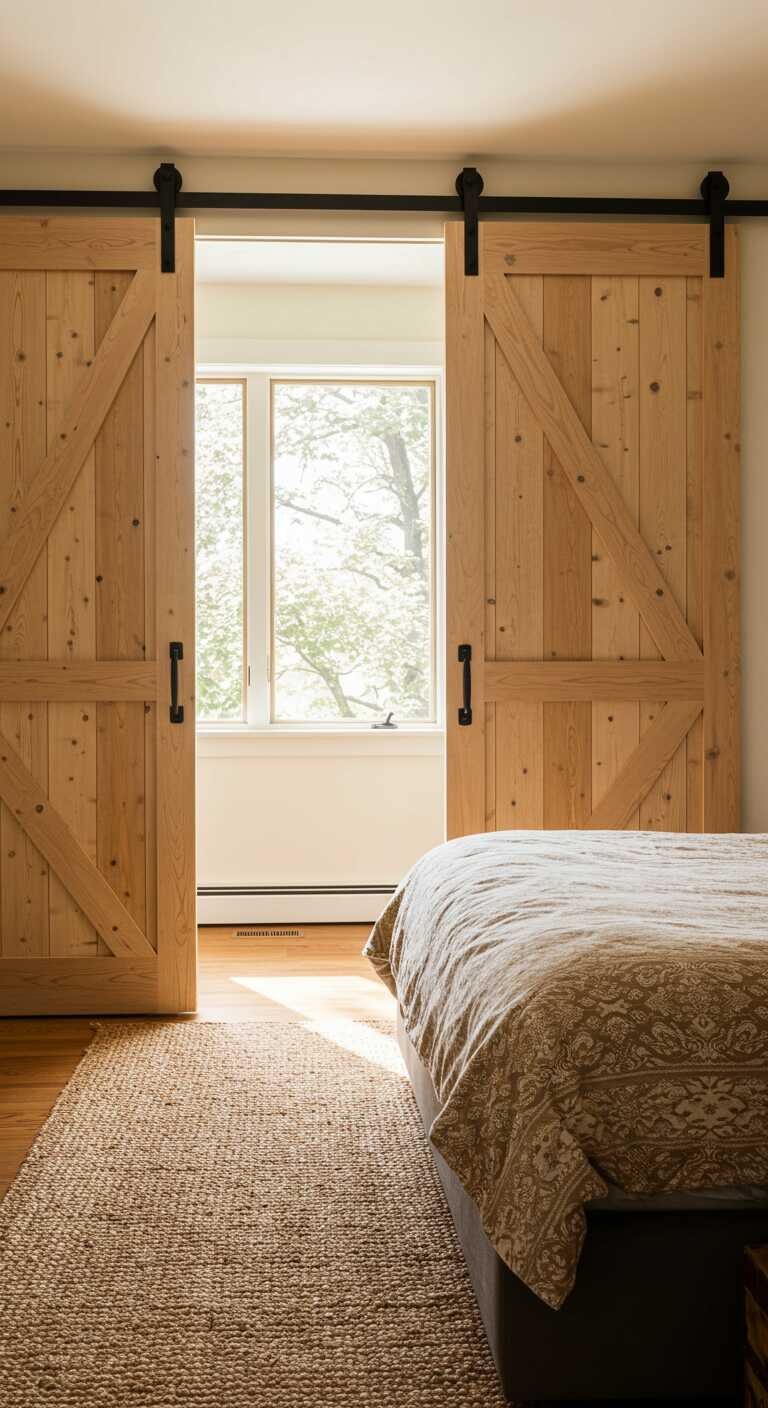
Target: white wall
317,315
297,809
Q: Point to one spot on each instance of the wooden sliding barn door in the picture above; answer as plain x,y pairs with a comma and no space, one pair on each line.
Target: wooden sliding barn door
592,527
97,879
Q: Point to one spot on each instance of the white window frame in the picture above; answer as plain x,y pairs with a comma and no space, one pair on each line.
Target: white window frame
258,550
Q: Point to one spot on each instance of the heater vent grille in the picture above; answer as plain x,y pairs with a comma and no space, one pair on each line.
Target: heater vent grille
269,933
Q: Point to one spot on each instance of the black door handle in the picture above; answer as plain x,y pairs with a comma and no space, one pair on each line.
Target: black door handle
177,709
465,658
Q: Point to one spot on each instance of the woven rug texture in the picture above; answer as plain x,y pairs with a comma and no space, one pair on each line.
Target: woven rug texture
218,1215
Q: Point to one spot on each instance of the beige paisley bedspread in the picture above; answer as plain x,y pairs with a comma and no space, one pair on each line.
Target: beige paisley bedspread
591,1006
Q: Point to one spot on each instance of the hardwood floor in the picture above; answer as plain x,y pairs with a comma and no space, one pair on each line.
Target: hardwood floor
318,975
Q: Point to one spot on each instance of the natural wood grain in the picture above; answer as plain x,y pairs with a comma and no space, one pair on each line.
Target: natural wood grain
55,841
175,597
465,534
661,304
71,607
490,418
120,619
601,249
70,682
606,379
99,510
616,436
567,576
590,479
150,630
518,580
721,537
658,744
24,880
66,242
694,546
77,985
53,479
616,680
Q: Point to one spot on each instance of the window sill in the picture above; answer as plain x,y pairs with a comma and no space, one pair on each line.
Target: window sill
298,742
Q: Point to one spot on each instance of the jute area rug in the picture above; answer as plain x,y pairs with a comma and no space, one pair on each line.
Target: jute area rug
219,1215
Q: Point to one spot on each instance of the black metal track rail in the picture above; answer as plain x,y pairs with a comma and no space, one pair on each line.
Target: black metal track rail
169,197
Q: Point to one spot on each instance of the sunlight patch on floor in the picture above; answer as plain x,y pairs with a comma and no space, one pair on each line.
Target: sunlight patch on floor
378,1048
315,997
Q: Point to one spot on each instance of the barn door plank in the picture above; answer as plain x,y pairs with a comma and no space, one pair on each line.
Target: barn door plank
54,474
29,803
554,681
71,606
518,580
590,479
120,614
490,360
663,412
595,248
150,631
465,513
567,540
721,482
23,871
175,597
64,682
615,433
694,546
658,745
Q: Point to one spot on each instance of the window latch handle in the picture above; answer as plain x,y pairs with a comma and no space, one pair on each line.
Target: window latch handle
387,723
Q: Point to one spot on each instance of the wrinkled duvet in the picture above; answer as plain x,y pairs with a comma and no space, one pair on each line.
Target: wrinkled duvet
592,1008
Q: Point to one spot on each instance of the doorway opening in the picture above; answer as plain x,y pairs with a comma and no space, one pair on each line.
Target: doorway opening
319,407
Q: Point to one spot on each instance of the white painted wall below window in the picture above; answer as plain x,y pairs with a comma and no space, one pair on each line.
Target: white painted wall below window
301,811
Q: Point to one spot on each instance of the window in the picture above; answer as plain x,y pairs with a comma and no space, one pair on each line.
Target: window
340,550
351,561
220,519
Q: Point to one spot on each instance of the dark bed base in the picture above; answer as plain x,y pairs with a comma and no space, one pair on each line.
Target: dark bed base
656,1312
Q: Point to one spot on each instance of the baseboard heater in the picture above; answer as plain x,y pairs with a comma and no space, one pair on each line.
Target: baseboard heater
299,904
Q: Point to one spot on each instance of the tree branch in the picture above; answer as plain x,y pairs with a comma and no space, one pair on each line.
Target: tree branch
283,502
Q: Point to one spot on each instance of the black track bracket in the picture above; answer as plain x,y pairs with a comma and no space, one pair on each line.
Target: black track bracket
469,185
168,184
713,204
714,193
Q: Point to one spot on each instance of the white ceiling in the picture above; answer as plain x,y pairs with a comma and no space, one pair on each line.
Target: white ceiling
238,261
665,79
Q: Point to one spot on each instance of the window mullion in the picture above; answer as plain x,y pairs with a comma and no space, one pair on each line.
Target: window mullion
258,549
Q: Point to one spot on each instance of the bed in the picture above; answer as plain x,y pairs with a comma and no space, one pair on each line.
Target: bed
584,1017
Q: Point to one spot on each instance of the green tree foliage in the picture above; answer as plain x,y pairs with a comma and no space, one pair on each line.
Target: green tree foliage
352,489
352,483
219,488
